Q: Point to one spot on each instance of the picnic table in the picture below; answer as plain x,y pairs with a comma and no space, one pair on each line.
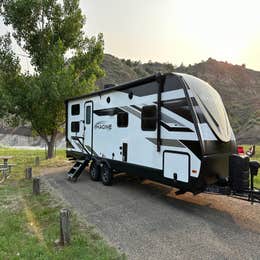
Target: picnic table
6,158
6,166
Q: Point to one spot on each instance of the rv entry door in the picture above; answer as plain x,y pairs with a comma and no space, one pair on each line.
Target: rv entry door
88,126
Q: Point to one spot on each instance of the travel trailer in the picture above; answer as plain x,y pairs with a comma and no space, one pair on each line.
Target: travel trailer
171,128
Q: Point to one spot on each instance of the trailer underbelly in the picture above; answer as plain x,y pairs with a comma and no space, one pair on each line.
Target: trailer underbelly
193,184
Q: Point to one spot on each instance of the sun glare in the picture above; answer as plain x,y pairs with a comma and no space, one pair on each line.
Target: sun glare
225,29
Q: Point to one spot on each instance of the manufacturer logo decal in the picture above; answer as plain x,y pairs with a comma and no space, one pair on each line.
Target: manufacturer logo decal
103,125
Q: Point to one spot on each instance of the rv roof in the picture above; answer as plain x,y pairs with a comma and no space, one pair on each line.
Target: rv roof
124,85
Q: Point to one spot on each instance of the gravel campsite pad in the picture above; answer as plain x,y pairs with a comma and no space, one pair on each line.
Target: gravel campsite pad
147,221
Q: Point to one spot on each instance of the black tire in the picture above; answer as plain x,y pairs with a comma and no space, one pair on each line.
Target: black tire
106,175
94,171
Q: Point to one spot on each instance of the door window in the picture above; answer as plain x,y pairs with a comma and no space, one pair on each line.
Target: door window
88,115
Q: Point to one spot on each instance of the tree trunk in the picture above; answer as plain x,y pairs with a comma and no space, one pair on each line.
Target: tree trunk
50,144
50,152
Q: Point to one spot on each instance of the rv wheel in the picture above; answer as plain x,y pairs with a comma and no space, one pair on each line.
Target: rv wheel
106,174
94,172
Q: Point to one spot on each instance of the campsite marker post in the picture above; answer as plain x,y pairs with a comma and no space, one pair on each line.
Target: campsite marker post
37,161
28,173
36,186
64,227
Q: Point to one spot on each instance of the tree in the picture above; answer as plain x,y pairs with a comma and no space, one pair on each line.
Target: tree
66,62
9,69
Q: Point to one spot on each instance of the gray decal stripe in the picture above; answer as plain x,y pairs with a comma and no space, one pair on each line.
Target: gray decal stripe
167,142
132,111
168,119
175,129
137,108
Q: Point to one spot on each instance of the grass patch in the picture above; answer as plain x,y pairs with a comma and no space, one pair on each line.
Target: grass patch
23,158
30,224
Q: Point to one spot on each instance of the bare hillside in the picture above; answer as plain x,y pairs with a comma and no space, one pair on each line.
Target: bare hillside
240,90
238,86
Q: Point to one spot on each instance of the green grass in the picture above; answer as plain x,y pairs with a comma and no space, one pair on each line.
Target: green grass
29,224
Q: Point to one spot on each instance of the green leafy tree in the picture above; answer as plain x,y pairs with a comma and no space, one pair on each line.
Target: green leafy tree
9,69
66,62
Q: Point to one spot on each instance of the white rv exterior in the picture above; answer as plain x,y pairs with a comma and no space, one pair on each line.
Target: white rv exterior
186,136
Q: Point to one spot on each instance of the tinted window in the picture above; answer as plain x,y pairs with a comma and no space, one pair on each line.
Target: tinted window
149,116
88,115
74,127
179,107
172,83
143,89
122,119
75,109
211,106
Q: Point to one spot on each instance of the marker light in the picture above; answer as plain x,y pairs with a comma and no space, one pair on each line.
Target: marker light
240,150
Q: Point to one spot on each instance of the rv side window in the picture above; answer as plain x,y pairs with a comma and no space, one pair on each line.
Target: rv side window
122,119
149,117
88,115
74,127
75,110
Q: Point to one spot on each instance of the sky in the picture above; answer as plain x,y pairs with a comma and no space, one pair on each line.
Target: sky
176,31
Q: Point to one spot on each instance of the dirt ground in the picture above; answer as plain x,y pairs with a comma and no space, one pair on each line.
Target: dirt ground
147,220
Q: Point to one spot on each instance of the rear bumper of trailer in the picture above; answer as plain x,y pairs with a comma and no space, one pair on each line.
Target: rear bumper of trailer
214,167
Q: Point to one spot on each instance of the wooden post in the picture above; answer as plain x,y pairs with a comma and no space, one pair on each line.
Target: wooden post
37,161
64,227
28,173
36,186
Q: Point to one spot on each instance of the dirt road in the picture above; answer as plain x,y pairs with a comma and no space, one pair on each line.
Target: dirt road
146,221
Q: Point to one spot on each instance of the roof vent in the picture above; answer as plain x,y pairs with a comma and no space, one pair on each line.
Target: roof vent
109,86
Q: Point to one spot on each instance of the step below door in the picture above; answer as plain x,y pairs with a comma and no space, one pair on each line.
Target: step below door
176,166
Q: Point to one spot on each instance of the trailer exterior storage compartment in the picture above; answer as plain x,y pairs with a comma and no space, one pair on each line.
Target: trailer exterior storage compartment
171,128
176,166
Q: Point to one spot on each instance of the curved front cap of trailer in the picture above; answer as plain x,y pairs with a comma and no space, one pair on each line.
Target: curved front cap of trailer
211,106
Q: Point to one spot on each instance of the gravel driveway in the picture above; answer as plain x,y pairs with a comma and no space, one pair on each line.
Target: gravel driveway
146,220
